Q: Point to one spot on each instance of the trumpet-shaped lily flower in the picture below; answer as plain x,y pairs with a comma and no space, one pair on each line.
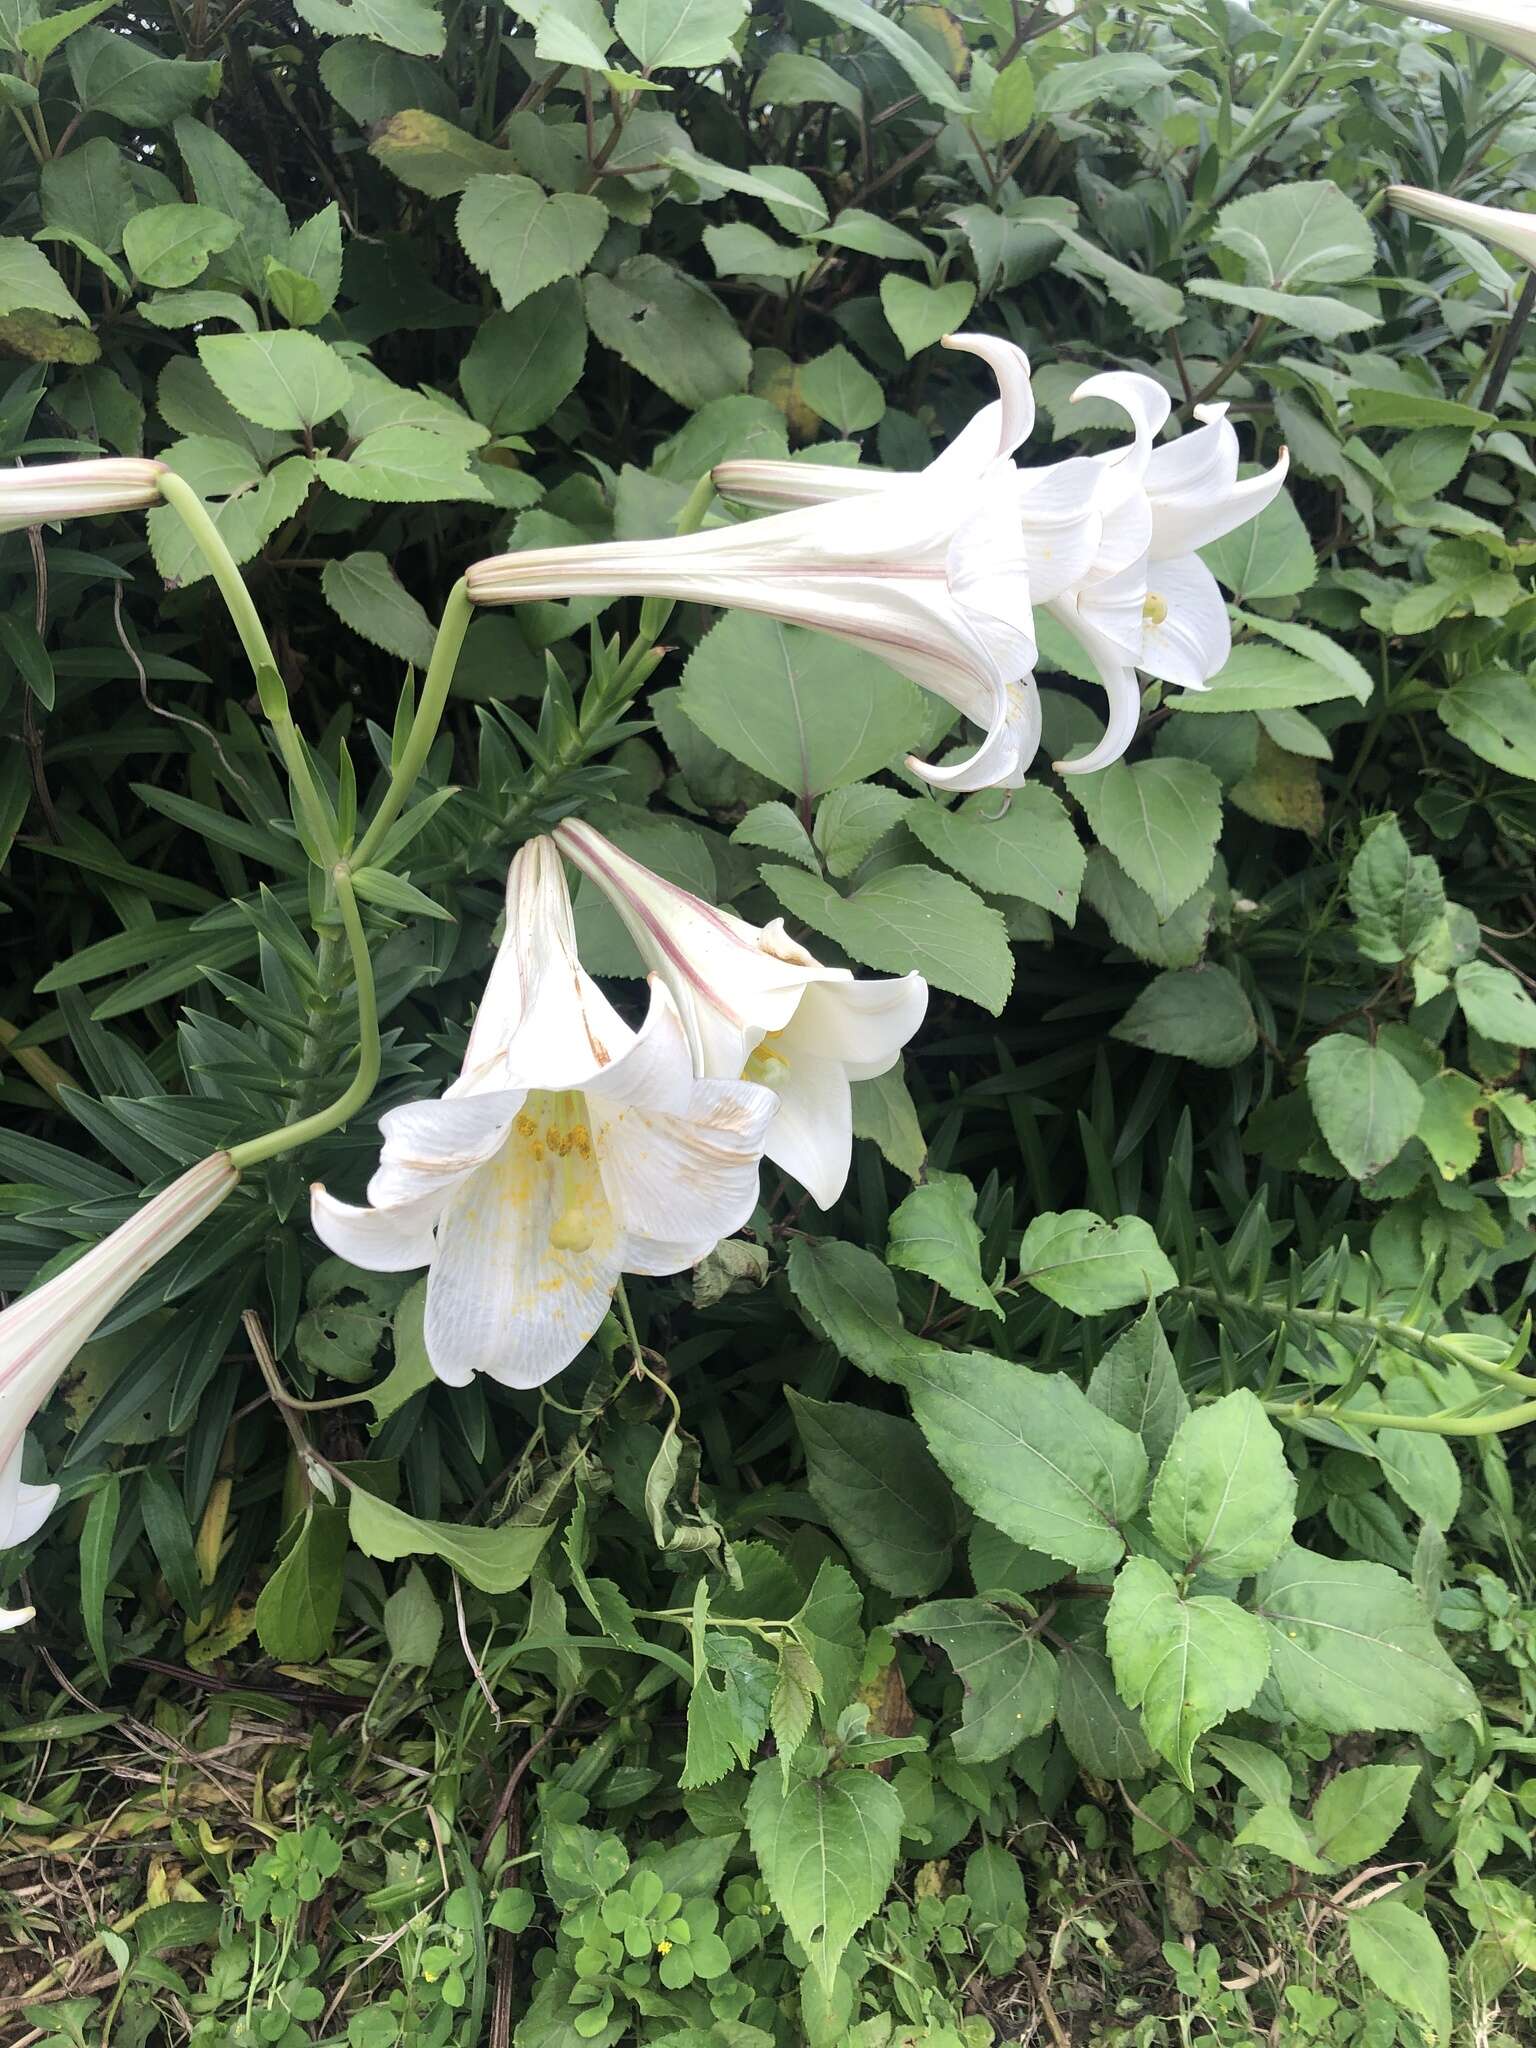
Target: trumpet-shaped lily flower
1501,225
757,1005
1509,26
570,1150
41,1333
927,572
1109,541
43,491
1148,602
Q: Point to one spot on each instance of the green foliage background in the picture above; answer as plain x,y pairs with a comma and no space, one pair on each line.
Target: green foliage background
1176,1301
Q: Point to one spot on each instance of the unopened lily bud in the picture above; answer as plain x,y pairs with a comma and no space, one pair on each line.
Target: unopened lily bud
40,1334
34,494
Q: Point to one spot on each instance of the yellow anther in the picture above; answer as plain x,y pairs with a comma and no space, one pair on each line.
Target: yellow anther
766,1067
1154,608
524,1125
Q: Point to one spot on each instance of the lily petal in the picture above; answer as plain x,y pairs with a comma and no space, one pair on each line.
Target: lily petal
812,1135
502,1298
1000,762
863,1024
1188,635
694,1177
23,1508
1124,694
429,1146
393,1240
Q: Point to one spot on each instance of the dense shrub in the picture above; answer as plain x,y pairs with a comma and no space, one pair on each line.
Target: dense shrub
1075,1583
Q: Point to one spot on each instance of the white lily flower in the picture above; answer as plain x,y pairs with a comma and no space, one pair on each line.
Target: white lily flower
41,1333
571,1150
43,491
1148,602
927,572
1509,26
1109,541
1501,225
757,1005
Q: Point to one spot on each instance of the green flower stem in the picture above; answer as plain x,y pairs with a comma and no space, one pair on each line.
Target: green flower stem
1450,1422
194,515
457,613
1293,70
1444,1350
288,1136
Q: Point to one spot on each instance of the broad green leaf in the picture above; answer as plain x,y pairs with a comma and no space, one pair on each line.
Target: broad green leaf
567,31
850,1297
1326,319
839,387
829,1628
1224,1501
1137,1382
170,245
366,595
827,1850
887,1501
1187,1663
1494,1003
1008,1676
852,820
404,466
994,1885
1011,103
799,707
1271,556
1419,465
495,1560
1193,1013
29,282
1352,1647
883,1112
687,34
253,506
88,190
934,1233
522,365
432,154
304,285
1397,1950
1132,917
413,1622
921,314
1118,78
1261,678
296,1609
871,235
737,249
1160,819
1421,1467
414,26
283,381
1153,304
1029,1452
792,79
113,74
1277,1829
906,918
1308,232
925,72
524,238
775,826
223,180
1357,1813
1396,895
668,327
1026,848
373,82
1091,1266
41,38
1366,1102
1102,1732
1495,715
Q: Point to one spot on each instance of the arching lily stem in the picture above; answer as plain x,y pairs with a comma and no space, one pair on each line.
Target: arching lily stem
317,822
